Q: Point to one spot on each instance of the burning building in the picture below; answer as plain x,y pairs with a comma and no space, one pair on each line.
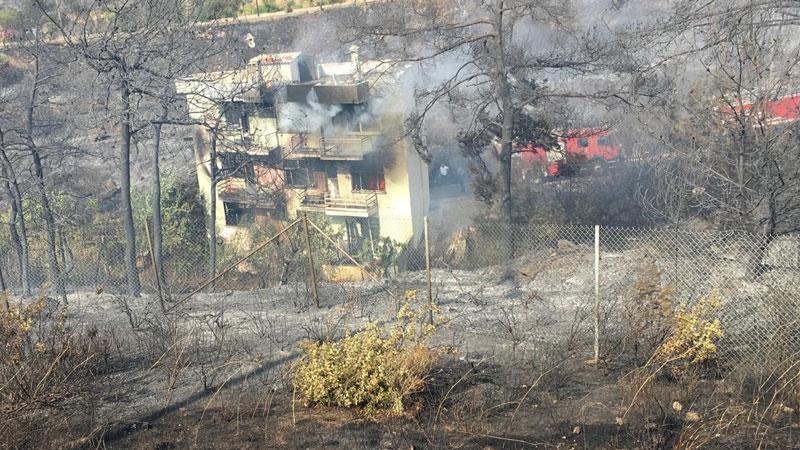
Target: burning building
293,136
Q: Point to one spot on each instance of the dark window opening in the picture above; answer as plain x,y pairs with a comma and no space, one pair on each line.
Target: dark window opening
360,233
233,113
244,121
238,165
300,177
583,142
238,214
238,114
368,180
605,141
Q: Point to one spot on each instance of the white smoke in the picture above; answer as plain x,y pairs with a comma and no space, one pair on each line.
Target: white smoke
310,117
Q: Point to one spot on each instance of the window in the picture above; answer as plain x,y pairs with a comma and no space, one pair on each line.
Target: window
299,177
583,142
238,165
233,113
238,214
372,180
605,141
244,120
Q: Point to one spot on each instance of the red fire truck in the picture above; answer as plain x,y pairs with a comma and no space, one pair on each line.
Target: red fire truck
579,150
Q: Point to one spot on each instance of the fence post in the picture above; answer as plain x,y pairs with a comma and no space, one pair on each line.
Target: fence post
597,294
428,271
311,268
155,267
2,280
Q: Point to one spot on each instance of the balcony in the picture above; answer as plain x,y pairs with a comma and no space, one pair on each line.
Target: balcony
232,137
353,205
236,190
353,92
302,145
349,147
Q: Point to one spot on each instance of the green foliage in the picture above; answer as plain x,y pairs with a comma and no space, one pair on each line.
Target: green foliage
285,258
262,7
218,9
7,17
379,255
183,221
374,369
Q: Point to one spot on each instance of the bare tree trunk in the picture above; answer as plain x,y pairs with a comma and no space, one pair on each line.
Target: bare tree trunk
134,286
54,272
506,103
18,239
50,224
156,200
63,250
212,211
17,228
16,242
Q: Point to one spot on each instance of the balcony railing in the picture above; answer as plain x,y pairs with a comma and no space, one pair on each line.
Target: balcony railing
236,190
352,146
353,205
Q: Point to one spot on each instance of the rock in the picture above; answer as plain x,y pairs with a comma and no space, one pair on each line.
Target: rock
576,430
564,245
676,405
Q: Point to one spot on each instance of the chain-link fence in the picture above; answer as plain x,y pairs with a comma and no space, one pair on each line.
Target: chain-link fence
563,271
502,288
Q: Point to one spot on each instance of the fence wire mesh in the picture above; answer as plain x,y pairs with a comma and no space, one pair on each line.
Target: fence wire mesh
510,289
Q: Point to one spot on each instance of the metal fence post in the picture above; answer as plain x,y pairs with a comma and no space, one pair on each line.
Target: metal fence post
428,271
311,268
155,267
2,280
597,294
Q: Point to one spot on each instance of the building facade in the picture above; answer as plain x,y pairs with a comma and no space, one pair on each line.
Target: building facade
292,136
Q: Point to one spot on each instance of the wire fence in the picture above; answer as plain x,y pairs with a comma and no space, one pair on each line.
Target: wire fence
502,288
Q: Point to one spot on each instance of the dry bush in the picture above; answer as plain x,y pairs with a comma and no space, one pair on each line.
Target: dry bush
47,370
695,331
754,407
647,313
375,369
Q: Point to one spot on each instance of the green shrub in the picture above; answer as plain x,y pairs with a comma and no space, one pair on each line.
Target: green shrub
262,7
218,9
374,369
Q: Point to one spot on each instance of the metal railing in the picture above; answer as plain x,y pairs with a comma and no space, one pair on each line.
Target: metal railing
356,204
352,146
237,190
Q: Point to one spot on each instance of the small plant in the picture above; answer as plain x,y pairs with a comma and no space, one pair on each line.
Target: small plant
695,331
374,369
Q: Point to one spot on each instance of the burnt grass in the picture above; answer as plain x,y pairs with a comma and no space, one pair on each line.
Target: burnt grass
465,405
512,372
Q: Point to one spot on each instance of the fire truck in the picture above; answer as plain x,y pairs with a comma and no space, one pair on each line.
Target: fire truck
581,150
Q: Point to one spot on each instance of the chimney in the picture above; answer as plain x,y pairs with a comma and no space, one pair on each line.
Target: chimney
355,63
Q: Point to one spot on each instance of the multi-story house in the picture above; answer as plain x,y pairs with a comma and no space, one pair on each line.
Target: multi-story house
292,136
